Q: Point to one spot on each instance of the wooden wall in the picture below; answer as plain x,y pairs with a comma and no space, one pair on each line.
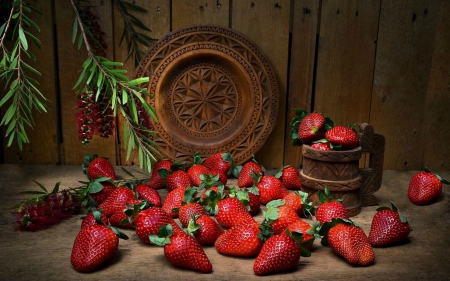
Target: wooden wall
386,63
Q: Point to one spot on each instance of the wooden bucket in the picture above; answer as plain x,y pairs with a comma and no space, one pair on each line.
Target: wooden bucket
340,171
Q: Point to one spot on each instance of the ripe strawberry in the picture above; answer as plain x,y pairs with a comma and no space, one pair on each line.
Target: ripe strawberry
308,230
231,212
205,229
425,187
321,145
298,201
220,162
280,215
116,200
342,136
189,207
94,245
349,241
312,127
280,253
173,201
249,197
150,220
290,177
119,217
388,227
146,192
271,188
182,250
178,179
240,241
245,178
106,190
100,167
330,208
156,180
195,172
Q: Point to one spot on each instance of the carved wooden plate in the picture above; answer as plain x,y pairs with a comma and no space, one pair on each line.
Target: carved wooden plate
214,92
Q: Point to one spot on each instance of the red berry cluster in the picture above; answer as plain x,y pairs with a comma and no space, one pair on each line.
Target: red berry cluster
97,41
94,116
43,214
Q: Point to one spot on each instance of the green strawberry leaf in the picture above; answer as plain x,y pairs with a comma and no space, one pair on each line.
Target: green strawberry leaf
328,123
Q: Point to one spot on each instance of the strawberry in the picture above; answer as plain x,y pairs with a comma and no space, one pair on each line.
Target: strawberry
231,212
249,197
189,207
290,177
349,241
150,220
279,216
100,167
116,200
156,180
119,218
197,170
182,250
330,208
298,201
343,137
240,241
388,227
173,201
220,162
100,196
270,188
245,178
308,230
178,179
312,127
321,145
425,187
94,245
146,192
280,253
205,229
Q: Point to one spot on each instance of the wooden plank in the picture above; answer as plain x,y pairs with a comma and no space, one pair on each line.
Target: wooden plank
437,113
70,61
157,18
44,138
402,70
266,23
304,30
185,13
346,55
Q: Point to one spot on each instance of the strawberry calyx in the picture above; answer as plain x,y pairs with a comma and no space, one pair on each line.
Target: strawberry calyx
314,230
193,226
306,206
132,210
208,181
212,198
326,197
163,237
98,219
227,157
242,195
270,215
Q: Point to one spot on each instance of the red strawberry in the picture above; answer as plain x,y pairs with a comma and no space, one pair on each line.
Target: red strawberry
89,219
342,136
245,178
308,230
231,212
177,179
156,180
240,241
290,177
298,201
150,220
312,127
330,208
286,216
325,145
349,241
118,217
425,187
250,197
388,227
220,162
205,229
94,245
173,201
116,200
190,207
100,167
195,172
279,253
182,250
101,195
146,192
271,188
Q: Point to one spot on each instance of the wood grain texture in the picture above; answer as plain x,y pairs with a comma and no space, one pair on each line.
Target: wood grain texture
70,61
44,138
437,113
304,30
348,32
157,19
402,70
266,23
185,13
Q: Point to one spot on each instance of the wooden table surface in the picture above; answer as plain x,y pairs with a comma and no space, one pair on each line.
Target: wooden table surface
45,255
